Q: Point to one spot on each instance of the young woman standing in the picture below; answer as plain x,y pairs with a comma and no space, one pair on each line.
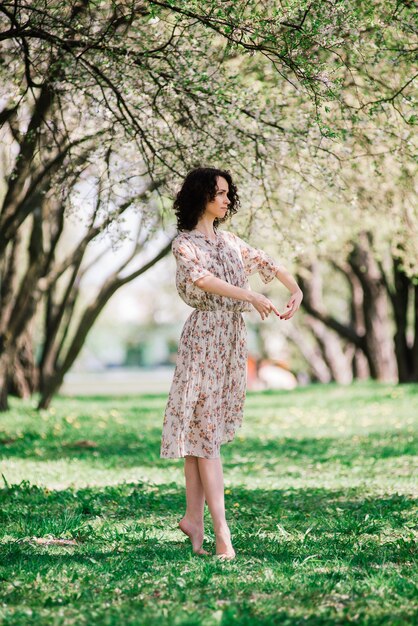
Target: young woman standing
206,399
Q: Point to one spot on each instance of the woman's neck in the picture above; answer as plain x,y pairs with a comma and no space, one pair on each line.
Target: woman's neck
205,226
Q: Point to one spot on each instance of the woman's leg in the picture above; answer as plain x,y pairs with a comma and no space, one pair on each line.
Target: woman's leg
211,474
192,522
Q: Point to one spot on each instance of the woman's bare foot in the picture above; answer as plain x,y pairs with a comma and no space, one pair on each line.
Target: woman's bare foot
195,534
224,549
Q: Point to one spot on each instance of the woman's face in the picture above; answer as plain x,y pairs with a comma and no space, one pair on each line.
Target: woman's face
218,207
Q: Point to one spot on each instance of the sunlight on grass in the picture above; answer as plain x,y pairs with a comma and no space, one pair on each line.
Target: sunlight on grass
320,486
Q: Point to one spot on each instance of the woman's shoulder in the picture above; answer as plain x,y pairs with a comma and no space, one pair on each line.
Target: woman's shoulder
230,236
182,242
181,236
227,234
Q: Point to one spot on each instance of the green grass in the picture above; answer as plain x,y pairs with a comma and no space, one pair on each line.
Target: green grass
320,488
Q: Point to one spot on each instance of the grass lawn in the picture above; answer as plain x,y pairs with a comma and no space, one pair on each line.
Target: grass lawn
320,494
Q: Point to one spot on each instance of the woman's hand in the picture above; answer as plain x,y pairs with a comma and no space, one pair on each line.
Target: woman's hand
293,305
263,305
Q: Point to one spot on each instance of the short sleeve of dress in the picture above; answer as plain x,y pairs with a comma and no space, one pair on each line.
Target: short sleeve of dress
256,260
188,264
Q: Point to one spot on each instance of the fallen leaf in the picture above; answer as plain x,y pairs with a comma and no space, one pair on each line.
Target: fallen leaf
82,443
8,440
55,541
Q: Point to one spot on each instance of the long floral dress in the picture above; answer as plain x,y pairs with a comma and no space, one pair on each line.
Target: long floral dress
206,399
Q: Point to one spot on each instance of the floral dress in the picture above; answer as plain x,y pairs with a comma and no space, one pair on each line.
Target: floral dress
206,399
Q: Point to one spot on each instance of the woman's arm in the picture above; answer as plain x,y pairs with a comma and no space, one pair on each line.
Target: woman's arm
220,287
256,260
288,281
263,305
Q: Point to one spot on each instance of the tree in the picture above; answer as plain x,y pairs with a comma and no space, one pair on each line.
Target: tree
176,83
65,333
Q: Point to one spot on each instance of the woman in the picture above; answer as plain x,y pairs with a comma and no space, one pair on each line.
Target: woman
206,399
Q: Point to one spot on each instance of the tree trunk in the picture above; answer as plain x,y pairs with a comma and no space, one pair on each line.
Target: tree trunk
415,343
21,306
329,343
24,373
332,352
360,365
379,344
402,295
14,209
7,358
311,354
50,388
4,382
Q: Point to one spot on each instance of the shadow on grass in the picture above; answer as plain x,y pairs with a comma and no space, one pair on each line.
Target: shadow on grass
131,520
116,449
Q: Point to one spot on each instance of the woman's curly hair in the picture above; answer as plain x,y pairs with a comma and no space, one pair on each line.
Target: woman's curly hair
198,188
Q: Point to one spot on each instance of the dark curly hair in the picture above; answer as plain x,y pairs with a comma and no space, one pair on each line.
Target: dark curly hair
198,188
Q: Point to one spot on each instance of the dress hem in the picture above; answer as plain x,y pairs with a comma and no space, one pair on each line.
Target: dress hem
183,454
